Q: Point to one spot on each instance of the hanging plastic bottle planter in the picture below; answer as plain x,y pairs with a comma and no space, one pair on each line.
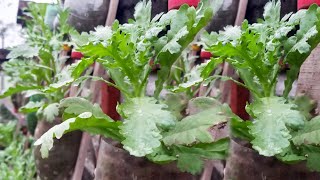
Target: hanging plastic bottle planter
304,4
175,4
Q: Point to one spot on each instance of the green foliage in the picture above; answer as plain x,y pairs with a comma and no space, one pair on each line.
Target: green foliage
280,127
150,125
77,106
126,50
312,154
6,133
191,158
257,50
37,64
177,103
195,128
16,162
84,122
305,105
273,119
5,114
143,121
240,128
309,134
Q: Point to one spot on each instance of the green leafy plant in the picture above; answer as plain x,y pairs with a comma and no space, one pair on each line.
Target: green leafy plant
37,67
6,133
16,161
280,127
152,127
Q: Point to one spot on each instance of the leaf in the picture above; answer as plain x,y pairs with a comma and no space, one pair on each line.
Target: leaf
312,154
80,39
161,155
240,128
105,127
201,152
6,133
195,128
31,107
63,79
184,26
301,45
176,104
190,163
273,118
17,89
193,78
291,155
51,111
271,12
144,120
77,106
305,105
230,34
79,67
309,134
101,33
142,12
191,159
24,50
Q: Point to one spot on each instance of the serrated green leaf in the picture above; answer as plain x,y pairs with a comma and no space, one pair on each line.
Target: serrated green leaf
31,107
63,79
176,104
270,128
105,127
142,12
100,33
271,12
215,150
291,155
190,163
77,106
305,105
230,34
143,120
312,154
240,128
17,89
200,152
161,155
6,133
195,128
193,78
79,67
313,161
193,21
24,50
80,39
305,40
51,111
309,134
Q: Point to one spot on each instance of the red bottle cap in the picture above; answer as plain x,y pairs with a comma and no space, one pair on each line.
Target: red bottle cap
76,55
205,55
304,4
175,4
